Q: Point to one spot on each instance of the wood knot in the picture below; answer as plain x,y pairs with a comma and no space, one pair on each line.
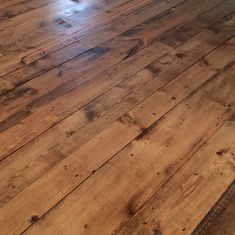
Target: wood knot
180,55
34,218
221,152
126,119
91,115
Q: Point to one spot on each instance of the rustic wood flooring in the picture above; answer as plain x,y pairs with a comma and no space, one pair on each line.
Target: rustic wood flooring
117,117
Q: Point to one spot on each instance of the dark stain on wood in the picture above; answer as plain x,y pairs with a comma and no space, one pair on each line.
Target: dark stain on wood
156,231
14,119
34,218
134,31
159,17
63,22
9,14
131,206
180,55
52,95
178,36
60,74
144,131
232,117
221,152
134,49
226,67
91,115
153,69
97,52
12,96
169,170
70,132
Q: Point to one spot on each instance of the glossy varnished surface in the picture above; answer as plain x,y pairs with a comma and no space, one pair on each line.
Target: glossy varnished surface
116,117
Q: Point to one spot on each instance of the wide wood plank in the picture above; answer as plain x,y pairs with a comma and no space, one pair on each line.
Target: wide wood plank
42,104
115,115
185,192
137,121
143,157
159,24
69,130
37,47
90,120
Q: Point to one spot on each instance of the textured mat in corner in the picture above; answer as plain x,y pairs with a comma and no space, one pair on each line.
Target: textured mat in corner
220,220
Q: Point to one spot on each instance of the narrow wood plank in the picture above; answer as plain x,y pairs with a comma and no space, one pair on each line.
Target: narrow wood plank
64,138
68,131
176,36
30,71
193,108
194,188
38,67
23,26
179,66
67,76
159,24
142,158
32,50
12,4
15,8
71,85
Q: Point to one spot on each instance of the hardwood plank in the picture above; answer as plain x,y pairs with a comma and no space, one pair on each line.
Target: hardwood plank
123,71
105,106
19,115
38,67
14,79
24,25
63,79
114,193
98,146
60,134
158,24
15,8
187,30
33,50
44,52
170,209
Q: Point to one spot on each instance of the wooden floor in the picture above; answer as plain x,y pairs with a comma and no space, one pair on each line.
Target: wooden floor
116,116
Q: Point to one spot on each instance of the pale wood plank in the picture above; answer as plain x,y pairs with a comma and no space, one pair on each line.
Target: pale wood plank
144,158
175,66
185,199
21,114
77,166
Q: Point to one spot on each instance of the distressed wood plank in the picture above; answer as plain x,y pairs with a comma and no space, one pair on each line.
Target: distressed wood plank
170,209
144,157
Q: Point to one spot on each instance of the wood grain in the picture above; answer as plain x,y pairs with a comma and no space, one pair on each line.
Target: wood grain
115,116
